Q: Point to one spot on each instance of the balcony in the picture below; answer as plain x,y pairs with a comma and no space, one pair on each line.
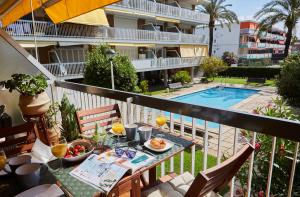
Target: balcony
76,69
261,45
22,30
256,56
144,109
150,8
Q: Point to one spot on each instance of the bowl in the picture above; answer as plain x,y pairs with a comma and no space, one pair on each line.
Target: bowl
89,151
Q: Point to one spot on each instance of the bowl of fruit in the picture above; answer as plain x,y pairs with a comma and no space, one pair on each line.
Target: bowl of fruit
78,150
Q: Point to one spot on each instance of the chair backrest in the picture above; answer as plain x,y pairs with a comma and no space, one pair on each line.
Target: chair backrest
217,177
103,116
18,139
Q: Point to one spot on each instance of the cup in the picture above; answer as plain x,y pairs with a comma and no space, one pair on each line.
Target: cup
130,131
29,174
145,133
16,162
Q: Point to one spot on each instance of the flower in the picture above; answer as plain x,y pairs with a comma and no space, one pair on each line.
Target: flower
261,193
257,146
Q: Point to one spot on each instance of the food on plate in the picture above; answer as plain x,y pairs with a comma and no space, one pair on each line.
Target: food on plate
76,150
158,143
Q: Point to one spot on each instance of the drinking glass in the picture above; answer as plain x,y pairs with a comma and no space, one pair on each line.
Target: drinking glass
59,150
161,120
2,160
118,128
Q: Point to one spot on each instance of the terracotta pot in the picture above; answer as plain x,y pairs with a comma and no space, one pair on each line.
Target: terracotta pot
34,105
53,135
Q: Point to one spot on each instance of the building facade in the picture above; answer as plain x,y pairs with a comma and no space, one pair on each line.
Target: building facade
158,36
244,40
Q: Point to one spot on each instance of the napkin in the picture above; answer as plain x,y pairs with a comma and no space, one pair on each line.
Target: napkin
41,153
53,191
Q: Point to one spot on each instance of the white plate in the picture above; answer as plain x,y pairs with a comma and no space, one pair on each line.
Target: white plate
42,190
112,132
169,145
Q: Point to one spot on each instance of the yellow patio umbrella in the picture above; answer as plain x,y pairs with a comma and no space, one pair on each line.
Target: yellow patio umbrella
57,10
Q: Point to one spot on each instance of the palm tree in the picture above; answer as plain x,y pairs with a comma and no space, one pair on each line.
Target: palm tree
280,11
218,12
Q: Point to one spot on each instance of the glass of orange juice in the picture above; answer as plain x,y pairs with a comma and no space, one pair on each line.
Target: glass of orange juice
59,150
118,128
2,160
161,120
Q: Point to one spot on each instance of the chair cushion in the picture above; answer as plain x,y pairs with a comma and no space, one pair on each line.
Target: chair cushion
176,187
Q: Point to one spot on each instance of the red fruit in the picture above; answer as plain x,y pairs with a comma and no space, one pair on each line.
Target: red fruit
82,149
77,147
68,156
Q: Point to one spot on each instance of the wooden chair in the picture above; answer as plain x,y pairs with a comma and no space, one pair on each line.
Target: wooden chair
205,182
18,139
104,115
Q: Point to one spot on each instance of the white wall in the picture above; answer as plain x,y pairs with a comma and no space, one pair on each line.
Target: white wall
122,22
224,40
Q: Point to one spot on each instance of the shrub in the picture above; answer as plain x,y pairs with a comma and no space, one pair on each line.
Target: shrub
229,58
98,70
211,66
263,147
260,72
182,76
288,83
144,86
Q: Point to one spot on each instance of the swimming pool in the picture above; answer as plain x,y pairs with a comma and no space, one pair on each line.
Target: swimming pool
217,97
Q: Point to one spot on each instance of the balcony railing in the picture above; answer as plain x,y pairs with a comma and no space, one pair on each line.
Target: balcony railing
162,10
76,69
256,56
194,124
47,31
261,45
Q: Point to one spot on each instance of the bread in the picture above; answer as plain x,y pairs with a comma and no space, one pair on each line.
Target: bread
158,143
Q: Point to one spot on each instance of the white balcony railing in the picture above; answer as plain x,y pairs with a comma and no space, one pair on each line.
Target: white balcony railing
163,10
23,29
77,68
261,45
256,56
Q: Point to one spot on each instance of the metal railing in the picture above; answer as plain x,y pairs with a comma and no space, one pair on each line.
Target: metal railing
145,109
77,68
163,10
261,45
23,29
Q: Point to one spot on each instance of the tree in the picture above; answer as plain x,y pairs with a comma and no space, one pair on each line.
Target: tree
182,76
98,70
285,12
218,12
288,83
211,66
229,58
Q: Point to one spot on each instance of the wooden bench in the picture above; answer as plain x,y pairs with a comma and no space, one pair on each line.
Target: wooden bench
175,85
256,80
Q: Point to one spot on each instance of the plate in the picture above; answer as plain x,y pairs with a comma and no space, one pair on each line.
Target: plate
169,145
112,132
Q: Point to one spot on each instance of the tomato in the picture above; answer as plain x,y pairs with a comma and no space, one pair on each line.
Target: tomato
68,156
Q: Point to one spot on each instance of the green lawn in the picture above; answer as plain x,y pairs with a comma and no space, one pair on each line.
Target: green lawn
242,81
211,161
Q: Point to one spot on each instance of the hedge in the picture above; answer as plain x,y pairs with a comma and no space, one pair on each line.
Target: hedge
259,72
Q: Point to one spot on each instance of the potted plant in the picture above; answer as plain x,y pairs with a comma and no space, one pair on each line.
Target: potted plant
69,125
33,99
51,123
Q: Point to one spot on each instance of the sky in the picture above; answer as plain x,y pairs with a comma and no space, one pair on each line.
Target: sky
246,9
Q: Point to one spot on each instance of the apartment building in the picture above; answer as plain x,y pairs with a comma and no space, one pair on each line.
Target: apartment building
244,41
158,36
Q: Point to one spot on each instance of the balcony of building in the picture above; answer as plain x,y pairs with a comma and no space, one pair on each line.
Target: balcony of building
254,45
159,11
188,121
76,69
23,30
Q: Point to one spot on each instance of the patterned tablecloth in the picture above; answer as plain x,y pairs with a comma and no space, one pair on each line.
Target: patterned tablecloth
81,189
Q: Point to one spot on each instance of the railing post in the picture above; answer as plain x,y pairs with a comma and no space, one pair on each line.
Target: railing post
129,114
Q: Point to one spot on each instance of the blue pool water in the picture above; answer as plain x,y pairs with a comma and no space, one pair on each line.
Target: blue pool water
217,97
